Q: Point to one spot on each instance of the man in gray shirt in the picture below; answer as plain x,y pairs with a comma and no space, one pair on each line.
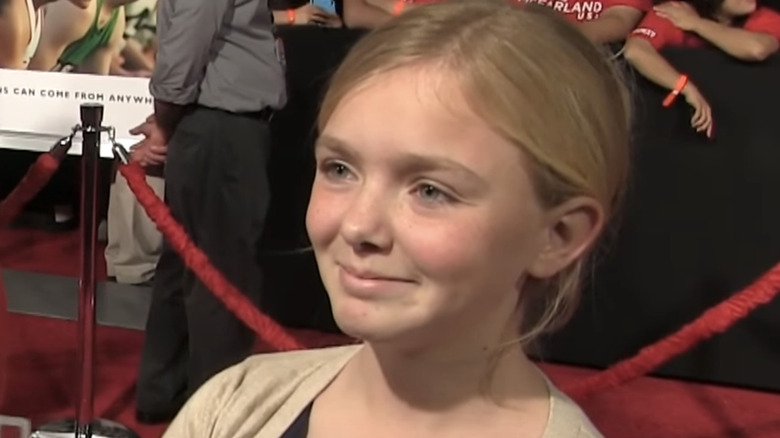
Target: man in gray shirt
216,82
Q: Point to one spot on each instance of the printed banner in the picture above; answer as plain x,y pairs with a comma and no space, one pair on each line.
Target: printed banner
22,426
37,108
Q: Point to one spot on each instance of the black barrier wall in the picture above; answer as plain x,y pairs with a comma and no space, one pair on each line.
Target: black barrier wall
294,294
701,220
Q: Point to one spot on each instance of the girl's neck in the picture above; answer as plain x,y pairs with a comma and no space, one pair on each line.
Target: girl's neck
442,381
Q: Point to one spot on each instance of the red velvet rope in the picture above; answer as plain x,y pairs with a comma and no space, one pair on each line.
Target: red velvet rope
714,320
37,176
4,340
266,328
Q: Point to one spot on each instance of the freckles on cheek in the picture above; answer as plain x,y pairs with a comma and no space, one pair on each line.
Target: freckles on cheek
446,252
321,216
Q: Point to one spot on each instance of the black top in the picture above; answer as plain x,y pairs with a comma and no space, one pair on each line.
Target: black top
300,427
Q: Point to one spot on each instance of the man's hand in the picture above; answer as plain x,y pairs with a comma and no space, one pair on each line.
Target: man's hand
152,150
682,15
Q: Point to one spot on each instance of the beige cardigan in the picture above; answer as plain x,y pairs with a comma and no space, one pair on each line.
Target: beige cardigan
262,396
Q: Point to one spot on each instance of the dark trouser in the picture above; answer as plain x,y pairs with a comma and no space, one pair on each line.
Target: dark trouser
216,187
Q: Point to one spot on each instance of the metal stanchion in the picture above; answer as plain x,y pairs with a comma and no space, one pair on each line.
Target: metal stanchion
85,425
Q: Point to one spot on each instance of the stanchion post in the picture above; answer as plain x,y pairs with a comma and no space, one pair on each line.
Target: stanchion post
91,121
85,425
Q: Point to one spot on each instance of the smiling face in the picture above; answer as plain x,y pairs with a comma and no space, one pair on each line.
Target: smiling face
470,154
422,218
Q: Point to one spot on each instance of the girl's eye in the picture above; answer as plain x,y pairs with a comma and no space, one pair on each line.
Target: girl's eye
335,170
431,194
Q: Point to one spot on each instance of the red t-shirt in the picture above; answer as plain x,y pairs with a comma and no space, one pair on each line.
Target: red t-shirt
661,32
579,11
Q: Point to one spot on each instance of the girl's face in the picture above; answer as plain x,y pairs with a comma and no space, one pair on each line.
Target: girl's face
423,220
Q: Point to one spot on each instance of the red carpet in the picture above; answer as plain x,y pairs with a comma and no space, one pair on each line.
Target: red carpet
42,372
44,252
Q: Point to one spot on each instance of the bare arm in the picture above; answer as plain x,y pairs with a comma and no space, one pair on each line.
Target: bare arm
742,44
11,54
12,36
64,24
99,63
307,14
360,14
647,61
135,56
613,25
281,17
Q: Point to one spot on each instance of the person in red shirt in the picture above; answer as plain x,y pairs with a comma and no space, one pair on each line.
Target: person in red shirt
603,21
738,27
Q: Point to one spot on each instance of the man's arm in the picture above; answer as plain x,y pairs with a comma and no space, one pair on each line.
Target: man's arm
99,63
613,25
64,23
184,45
360,14
740,43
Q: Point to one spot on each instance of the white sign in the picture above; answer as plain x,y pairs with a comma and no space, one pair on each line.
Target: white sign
37,108
22,425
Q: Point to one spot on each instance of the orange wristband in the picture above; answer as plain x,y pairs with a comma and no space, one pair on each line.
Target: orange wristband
682,81
291,15
398,8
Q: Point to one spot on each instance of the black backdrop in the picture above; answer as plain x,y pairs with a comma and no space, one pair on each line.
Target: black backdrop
701,221
294,294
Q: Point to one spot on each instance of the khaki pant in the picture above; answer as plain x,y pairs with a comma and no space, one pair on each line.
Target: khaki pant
134,243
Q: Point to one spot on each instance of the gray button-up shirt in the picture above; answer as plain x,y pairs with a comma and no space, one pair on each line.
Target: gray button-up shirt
218,53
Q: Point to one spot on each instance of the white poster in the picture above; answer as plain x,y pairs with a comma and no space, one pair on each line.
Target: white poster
71,52
37,108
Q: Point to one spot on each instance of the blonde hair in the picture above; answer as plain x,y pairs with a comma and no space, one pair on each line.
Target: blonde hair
538,82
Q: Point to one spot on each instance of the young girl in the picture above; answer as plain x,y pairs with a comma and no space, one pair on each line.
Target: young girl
738,27
471,152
